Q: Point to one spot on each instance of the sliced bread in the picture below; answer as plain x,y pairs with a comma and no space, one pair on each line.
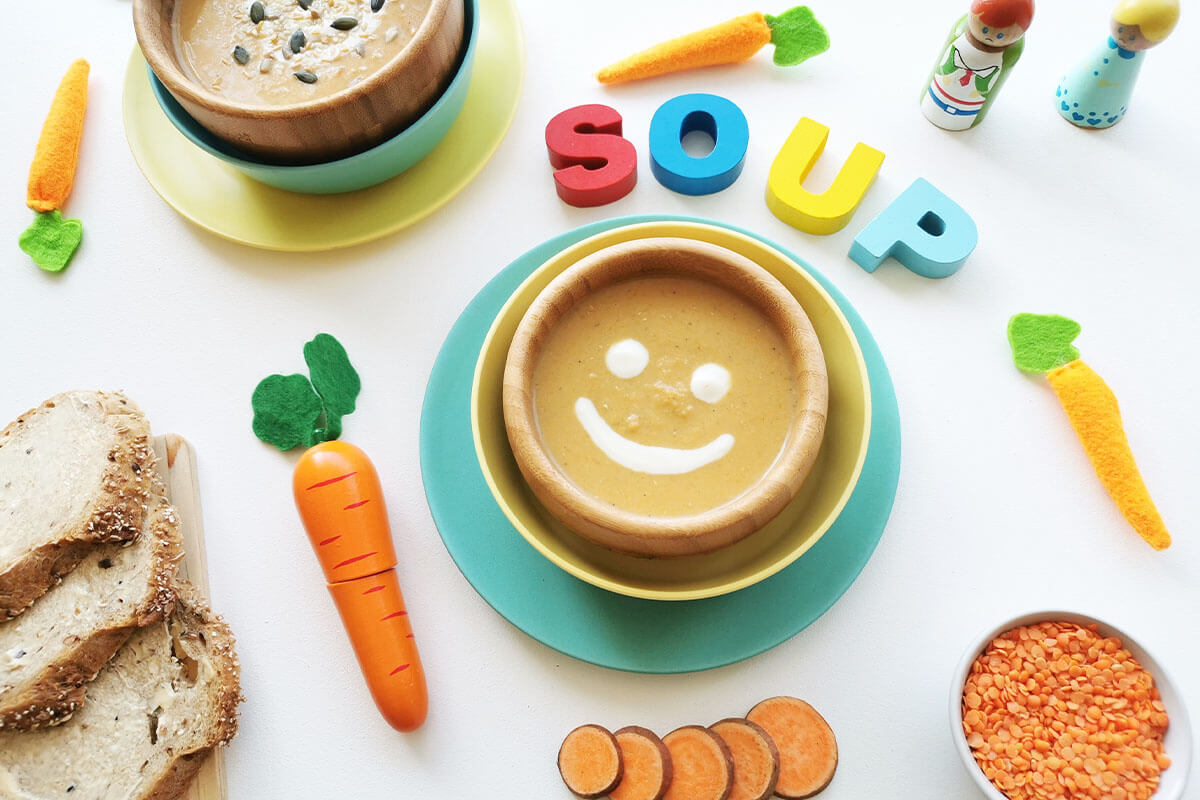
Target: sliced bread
75,471
165,701
51,651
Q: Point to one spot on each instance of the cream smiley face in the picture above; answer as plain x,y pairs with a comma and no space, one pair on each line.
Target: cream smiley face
626,360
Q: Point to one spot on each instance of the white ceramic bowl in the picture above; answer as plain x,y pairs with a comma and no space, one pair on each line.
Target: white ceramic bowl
1177,742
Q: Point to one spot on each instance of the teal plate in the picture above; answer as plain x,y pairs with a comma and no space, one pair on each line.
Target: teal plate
613,630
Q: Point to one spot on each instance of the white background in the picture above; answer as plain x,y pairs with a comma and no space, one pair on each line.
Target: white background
998,511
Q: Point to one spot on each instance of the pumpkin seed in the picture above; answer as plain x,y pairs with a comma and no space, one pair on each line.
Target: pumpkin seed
306,77
241,55
304,4
258,12
376,5
344,23
297,41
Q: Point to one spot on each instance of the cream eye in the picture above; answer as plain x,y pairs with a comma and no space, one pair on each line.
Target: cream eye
627,358
710,382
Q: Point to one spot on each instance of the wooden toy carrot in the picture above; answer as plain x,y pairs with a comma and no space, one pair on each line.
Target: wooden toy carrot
341,503
52,240
796,34
340,500
1041,343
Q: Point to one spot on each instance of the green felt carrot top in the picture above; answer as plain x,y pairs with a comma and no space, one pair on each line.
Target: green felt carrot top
294,410
1042,342
796,34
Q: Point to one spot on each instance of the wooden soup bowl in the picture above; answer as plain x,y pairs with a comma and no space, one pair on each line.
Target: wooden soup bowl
324,129
641,534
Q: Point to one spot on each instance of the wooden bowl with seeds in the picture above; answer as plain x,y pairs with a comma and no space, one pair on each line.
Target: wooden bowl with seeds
302,81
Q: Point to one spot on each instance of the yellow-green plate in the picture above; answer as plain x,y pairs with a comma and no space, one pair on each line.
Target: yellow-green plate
797,528
222,200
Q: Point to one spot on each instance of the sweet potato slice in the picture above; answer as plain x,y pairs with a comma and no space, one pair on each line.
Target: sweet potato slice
702,765
755,758
647,765
589,761
807,750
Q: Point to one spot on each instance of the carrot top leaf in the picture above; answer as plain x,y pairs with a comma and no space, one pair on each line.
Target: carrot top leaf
1042,342
292,410
286,411
51,241
334,378
797,36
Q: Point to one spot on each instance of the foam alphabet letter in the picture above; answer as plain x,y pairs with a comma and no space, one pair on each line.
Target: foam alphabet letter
923,229
719,118
594,164
818,213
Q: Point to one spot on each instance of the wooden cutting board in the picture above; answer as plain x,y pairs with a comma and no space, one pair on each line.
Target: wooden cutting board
177,467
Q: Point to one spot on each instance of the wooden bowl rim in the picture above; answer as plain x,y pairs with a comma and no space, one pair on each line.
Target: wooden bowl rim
799,449
162,60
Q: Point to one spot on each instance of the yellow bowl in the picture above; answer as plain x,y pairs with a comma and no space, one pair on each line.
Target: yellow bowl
797,528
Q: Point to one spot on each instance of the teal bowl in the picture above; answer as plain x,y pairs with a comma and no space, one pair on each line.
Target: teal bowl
376,165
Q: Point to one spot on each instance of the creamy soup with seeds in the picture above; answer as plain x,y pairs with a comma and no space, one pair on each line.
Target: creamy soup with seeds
291,51
664,395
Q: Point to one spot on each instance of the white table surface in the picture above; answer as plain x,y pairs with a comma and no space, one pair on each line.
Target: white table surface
998,511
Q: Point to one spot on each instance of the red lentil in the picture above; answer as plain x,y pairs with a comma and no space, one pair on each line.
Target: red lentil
1057,711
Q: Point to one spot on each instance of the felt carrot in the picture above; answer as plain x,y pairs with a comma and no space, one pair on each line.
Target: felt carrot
51,240
1041,343
340,500
796,34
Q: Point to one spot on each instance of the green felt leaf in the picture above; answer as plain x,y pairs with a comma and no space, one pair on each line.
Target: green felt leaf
797,36
51,240
334,378
1042,342
286,411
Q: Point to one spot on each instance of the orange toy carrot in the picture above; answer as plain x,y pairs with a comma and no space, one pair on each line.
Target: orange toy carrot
1041,343
51,240
52,173
796,34
341,504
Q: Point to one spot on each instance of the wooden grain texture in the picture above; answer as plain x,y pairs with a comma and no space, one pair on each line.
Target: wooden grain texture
325,129
177,467
643,534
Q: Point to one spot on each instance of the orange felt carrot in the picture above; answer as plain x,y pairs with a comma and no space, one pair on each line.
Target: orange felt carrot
1041,343
341,503
795,33
53,170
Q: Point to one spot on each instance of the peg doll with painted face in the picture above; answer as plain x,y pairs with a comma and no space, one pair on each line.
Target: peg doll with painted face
1096,93
980,52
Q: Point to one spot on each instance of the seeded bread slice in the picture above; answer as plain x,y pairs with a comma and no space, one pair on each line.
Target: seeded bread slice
152,716
51,651
75,471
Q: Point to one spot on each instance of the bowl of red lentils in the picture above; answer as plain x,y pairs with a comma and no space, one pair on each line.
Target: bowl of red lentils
1057,704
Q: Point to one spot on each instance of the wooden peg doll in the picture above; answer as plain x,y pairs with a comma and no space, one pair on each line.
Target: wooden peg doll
981,50
1095,94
